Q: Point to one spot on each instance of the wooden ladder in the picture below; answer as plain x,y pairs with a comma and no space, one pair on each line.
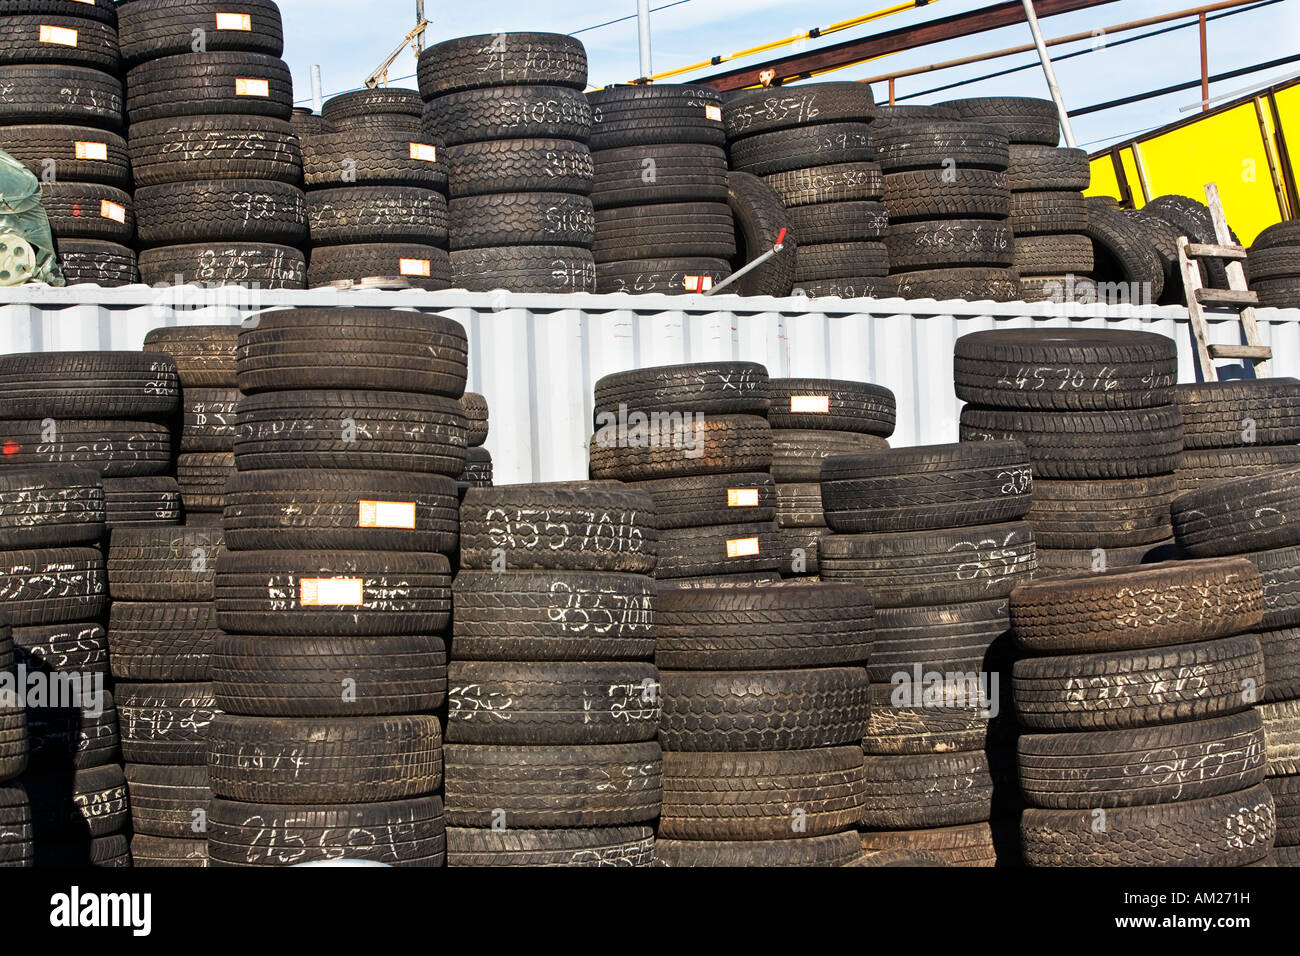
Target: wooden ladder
1237,297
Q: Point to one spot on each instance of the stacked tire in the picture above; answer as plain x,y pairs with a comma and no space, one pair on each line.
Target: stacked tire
218,169
161,629
1096,409
205,364
1131,256
695,438
765,704
553,696
949,206
813,420
510,108
376,185
62,118
1273,265
814,146
1237,429
1112,716
478,460
334,591
1254,518
936,536
660,189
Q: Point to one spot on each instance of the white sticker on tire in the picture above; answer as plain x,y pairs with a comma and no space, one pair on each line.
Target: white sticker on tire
246,86
810,404
742,497
336,592
234,21
742,548
387,514
97,151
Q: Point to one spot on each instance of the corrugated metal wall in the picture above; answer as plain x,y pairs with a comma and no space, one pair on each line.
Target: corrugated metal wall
537,357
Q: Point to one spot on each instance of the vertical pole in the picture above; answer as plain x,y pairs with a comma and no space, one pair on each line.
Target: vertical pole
1032,17
317,96
419,18
891,91
643,33
1205,67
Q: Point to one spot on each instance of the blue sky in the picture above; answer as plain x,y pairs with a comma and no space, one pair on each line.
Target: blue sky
348,39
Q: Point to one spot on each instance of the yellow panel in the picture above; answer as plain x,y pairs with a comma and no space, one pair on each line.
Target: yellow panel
1226,149
1288,107
1131,175
1104,182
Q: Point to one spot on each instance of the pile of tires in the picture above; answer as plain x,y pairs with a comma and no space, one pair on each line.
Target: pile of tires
1096,409
15,805
1273,266
376,181
1237,429
478,460
695,438
936,535
1164,219
660,194
812,420
218,170
765,704
949,204
553,696
1256,518
161,629
511,110
814,146
334,593
62,118
205,364
1143,745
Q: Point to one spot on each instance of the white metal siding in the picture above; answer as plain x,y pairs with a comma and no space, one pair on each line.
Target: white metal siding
537,357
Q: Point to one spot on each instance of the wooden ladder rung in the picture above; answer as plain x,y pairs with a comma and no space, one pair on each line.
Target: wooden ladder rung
1254,353
1202,250
1228,297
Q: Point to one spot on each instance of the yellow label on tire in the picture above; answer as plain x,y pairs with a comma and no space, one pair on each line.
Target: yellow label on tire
113,211
332,592
245,86
90,150
60,35
387,514
234,21
742,497
416,267
742,548
424,152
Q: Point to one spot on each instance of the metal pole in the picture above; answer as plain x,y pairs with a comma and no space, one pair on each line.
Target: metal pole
317,96
1032,17
1205,67
419,18
643,32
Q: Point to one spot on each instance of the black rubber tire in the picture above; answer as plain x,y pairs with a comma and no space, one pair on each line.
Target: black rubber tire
519,165
761,218
1143,688
165,640
851,221
377,213
142,502
838,260
225,263
729,499
721,550
13,756
571,526
53,585
913,569
1204,467
388,351
60,94
1048,167
202,480
651,115
788,794
712,388
834,183
89,211
718,444
540,269
115,449
973,845
80,648
798,453
1024,119
970,284
329,676
493,702
1120,513
361,430
1282,737
803,148
1280,570
156,28
398,833
1066,255
949,243
204,354
367,593
762,111
1048,213
209,210
85,803
731,711
1124,609
1279,234
1240,413
381,108
834,849
341,510
79,154
1230,830
94,261
926,489
853,287
163,564
151,851
1246,514
781,626
1125,768
649,175
208,419
911,791
1163,239
192,84
500,59
964,637
103,10
596,846
665,230
956,193
478,470
552,786
373,157
940,145
424,267
1123,253
45,507
184,149
683,276
170,802
510,112
513,219
89,384
165,723
1192,218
